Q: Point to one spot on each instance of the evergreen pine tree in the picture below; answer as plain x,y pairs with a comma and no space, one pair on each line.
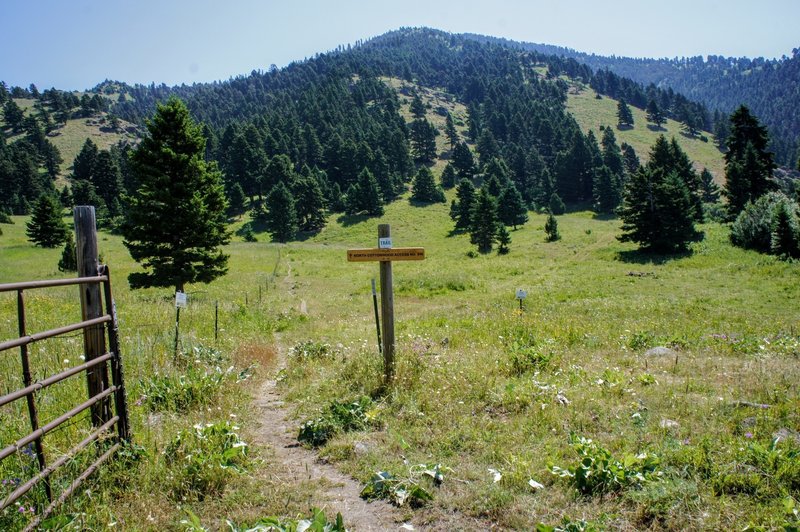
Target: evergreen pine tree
653,211
46,227
492,185
497,169
279,169
448,177
69,259
722,129
624,115
423,140
503,239
107,181
511,207
748,164
65,197
607,190
785,241
654,114
574,168
52,159
612,155
281,216
83,164
363,196
84,193
682,165
556,205
709,189
450,131
463,162
237,201
483,230
336,199
630,159
487,147
461,207
417,107
424,188
309,203
551,228
13,115
176,219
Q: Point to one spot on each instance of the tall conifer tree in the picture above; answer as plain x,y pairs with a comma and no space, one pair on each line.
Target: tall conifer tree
511,207
281,215
484,221
748,164
461,207
364,196
425,189
175,222
46,227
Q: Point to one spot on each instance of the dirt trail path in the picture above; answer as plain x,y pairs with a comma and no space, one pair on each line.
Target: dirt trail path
337,492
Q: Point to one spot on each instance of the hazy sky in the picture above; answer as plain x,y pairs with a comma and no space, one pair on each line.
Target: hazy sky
75,44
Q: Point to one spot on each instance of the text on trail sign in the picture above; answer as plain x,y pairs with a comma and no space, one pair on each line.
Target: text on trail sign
385,255
385,243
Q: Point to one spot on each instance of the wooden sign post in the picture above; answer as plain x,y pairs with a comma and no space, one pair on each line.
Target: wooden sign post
385,254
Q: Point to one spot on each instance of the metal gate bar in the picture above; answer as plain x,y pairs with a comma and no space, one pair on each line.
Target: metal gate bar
105,324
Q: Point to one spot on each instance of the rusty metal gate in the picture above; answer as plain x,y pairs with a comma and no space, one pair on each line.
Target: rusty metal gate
101,392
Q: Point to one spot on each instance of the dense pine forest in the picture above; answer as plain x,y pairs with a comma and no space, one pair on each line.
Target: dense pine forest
767,86
331,131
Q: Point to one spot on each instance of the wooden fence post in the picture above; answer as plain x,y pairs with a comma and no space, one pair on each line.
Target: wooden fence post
94,342
387,309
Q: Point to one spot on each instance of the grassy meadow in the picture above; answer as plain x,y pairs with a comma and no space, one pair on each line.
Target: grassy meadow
497,397
591,113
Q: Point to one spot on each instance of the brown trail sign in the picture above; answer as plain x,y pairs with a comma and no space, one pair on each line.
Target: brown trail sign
385,254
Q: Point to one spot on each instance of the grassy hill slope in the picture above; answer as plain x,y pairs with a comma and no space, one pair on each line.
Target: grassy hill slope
591,113
70,137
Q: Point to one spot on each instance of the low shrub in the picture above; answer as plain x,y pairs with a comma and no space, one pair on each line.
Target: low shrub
317,522
202,459
753,228
528,358
598,473
181,393
338,418
407,489
311,350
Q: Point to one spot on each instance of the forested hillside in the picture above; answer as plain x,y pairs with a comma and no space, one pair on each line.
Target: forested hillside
331,117
336,134
767,86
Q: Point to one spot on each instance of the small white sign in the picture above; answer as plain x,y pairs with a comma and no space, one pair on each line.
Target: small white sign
385,243
180,300
521,294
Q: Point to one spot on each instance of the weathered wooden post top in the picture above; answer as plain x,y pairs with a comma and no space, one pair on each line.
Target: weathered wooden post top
385,254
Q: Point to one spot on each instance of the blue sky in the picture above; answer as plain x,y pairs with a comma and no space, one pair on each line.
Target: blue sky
76,44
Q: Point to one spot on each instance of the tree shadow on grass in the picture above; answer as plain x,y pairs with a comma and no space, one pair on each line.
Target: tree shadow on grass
302,236
653,127
348,220
644,256
455,232
605,216
418,203
256,226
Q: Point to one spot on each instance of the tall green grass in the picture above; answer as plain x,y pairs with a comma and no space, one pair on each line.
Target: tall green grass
480,384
